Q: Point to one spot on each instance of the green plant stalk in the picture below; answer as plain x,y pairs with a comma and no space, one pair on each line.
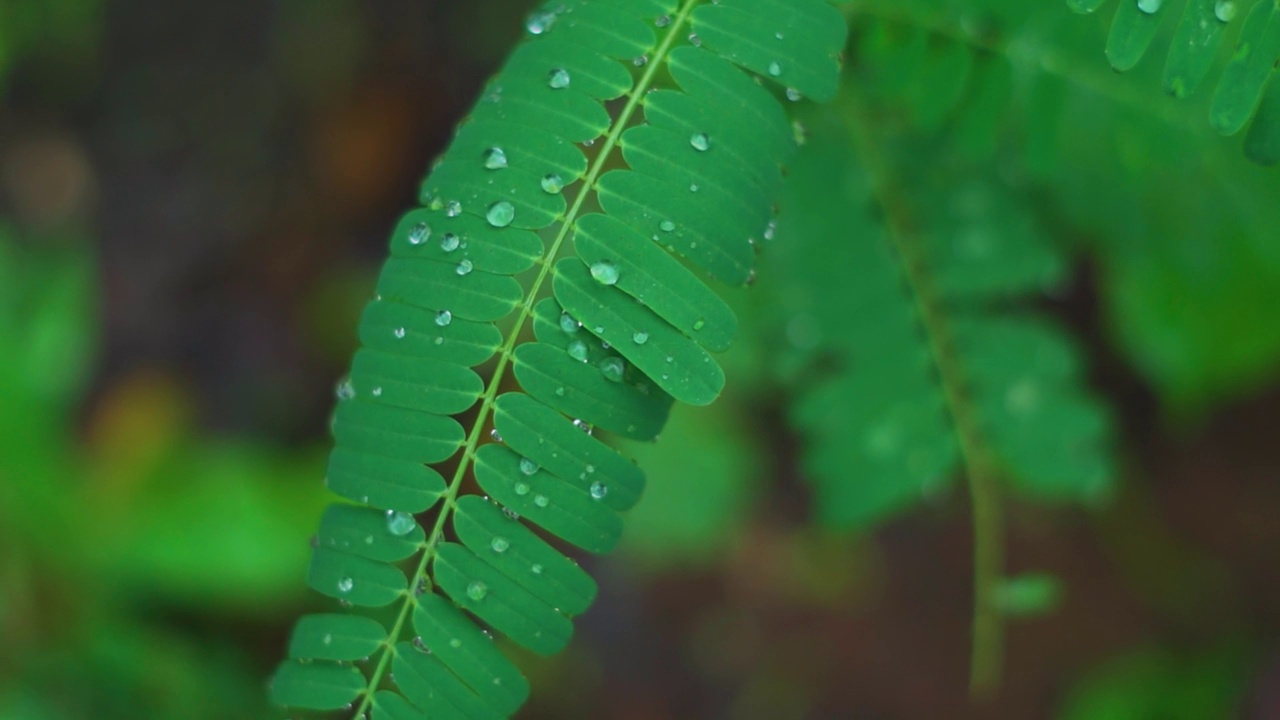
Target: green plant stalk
504,357
984,489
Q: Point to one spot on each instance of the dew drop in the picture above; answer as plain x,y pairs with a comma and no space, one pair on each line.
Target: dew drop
501,214
455,643
1225,10
400,523
640,60
495,435
345,585
377,392
540,22
465,267
558,79
613,368
794,95
599,490
528,467
477,590
552,184
662,21
453,208
699,324
345,390
500,544
495,158
511,514
667,226
640,337
568,324
419,234
771,230
521,488
450,242
700,142
327,639
693,187
775,68
578,351
541,501
694,40
605,272
443,318
1150,7
536,568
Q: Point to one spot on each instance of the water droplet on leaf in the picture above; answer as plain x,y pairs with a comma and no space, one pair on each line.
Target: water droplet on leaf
558,79
605,272
495,158
465,267
419,234
477,590
552,184
501,214
613,368
443,318
700,142
400,523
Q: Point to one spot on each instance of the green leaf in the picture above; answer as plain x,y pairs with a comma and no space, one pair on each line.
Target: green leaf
336,637
547,500
390,706
521,555
354,579
704,143
316,685
388,536
1262,143
544,436
1132,30
1245,77
1194,48
426,682
454,639
499,601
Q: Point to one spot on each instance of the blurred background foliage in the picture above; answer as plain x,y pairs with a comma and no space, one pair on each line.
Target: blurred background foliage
196,196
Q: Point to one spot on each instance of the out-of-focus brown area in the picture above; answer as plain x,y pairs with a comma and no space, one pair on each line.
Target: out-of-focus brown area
233,169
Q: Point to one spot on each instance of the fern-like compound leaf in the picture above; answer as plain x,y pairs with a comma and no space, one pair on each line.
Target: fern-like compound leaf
628,151
932,360
1203,27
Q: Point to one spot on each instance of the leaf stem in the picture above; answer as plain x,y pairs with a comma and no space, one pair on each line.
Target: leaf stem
505,354
984,489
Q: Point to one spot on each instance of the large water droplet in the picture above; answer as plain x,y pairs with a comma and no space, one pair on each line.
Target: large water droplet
453,208
500,544
662,21
541,501
558,79
700,142
528,467
599,490
667,226
450,242
399,333
552,183
540,22
794,95
578,351
501,214
495,158
477,590
1225,10
568,324
465,267
640,60
536,568
345,585
419,234
443,318
775,68
694,40
400,523
521,488
495,435
613,368
605,272
640,338
345,390
1150,6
